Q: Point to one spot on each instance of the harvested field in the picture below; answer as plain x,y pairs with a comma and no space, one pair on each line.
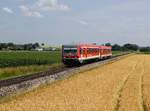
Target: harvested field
120,86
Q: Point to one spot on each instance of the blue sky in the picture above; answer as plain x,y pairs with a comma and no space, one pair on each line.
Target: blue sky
75,21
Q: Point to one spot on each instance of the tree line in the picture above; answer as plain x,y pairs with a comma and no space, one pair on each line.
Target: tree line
12,46
128,47
33,46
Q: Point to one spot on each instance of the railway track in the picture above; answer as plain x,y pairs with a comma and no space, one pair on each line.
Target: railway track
17,80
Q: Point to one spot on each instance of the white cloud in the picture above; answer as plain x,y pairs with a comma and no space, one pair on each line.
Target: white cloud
40,6
28,12
83,22
8,10
47,5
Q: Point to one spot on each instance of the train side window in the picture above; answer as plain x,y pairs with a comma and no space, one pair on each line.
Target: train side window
81,51
91,51
87,50
95,51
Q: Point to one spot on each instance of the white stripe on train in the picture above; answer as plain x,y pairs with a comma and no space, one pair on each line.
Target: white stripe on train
94,57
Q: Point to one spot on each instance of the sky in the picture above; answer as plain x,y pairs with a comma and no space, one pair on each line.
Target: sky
75,21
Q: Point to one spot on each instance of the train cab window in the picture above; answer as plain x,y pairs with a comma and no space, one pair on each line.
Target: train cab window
70,50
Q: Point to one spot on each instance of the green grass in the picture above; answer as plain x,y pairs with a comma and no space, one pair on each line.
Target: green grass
145,52
25,58
11,72
114,53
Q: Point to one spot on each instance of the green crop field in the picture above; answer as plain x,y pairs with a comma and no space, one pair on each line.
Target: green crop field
25,58
18,63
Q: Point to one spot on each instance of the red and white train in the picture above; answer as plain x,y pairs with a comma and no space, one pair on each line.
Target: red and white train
72,54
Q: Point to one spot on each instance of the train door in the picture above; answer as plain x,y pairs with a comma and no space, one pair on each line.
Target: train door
101,53
84,53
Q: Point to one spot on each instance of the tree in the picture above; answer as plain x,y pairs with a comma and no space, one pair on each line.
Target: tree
10,46
28,46
145,49
35,45
132,47
3,46
108,44
42,44
116,47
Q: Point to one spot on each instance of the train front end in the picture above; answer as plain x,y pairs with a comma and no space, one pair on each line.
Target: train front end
70,54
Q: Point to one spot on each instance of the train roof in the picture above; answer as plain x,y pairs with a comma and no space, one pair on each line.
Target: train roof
105,47
82,45
88,45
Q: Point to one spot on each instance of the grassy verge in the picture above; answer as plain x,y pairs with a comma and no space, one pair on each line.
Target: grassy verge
144,53
114,53
6,73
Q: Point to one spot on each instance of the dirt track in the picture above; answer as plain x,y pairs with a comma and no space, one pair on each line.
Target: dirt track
121,86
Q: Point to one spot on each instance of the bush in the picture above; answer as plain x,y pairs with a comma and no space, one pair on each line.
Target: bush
145,49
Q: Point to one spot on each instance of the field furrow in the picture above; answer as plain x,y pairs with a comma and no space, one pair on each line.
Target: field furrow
146,85
119,86
131,96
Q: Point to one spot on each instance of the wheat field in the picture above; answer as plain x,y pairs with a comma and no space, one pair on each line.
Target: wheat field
120,86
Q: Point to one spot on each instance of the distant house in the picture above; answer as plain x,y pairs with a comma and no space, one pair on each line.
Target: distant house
53,49
39,49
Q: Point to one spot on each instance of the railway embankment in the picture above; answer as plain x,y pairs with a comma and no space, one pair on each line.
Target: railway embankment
22,84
